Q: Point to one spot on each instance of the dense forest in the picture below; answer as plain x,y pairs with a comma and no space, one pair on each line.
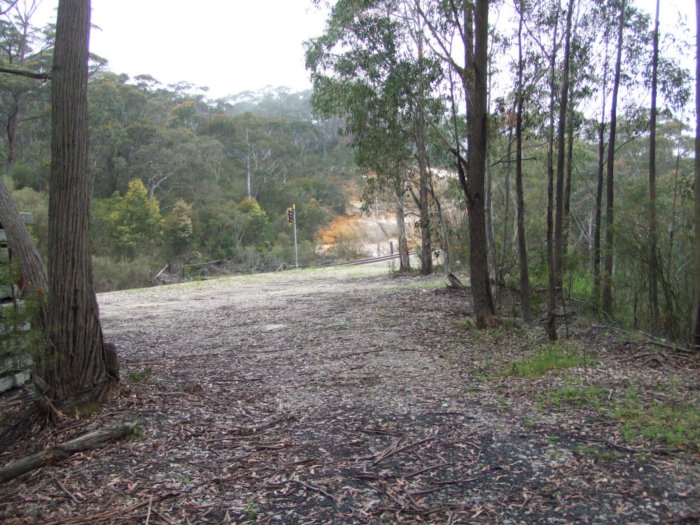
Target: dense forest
543,146
569,124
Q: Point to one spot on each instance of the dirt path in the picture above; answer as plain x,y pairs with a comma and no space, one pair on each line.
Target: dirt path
345,396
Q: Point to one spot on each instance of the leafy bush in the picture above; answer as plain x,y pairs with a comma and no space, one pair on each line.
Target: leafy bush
111,274
125,226
19,343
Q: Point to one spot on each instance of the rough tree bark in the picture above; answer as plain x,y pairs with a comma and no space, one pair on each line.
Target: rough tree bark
607,305
23,249
598,214
404,256
475,80
653,260
53,455
569,173
32,267
696,313
551,324
526,311
79,367
470,20
426,258
561,153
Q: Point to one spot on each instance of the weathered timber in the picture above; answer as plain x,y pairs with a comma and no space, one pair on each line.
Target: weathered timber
53,455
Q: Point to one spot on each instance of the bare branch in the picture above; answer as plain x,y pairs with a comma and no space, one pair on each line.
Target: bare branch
25,73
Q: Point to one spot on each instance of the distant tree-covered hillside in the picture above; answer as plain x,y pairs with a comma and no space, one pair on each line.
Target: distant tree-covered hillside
177,178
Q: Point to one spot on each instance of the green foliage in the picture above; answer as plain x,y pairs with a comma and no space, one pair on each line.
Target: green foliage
251,513
133,222
670,424
19,342
178,233
673,424
577,395
36,203
140,375
466,324
111,274
597,453
553,356
251,224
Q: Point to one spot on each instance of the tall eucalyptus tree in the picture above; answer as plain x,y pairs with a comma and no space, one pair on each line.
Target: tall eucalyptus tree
607,301
468,22
78,367
696,306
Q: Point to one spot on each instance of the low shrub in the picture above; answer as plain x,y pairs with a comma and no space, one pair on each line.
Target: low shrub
110,274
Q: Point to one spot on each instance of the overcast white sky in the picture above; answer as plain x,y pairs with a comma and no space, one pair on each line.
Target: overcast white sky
229,45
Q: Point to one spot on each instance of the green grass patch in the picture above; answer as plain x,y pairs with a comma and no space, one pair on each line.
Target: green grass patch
465,324
553,356
670,424
597,453
579,396
140,375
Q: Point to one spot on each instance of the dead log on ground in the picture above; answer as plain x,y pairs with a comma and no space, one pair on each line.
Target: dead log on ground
53,455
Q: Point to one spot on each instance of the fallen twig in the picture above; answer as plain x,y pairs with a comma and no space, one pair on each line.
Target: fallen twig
640,450
426,469
315,488
64,489
393,450
150,506
120,512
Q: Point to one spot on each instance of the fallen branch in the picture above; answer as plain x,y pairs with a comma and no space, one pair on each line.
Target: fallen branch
641,450
394,449
316,489
115,513
653,342
60,452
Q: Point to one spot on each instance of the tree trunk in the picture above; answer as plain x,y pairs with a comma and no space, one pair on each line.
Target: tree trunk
505,246
696,314
610,187
79,368
17,60
248,175
404,256
551,324
426,258
598,215
445,233
494,269
23,249
526,311
653,260
477,121
561,151
569,174
11,134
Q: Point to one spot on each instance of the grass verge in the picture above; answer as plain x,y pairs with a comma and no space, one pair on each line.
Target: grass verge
549,357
